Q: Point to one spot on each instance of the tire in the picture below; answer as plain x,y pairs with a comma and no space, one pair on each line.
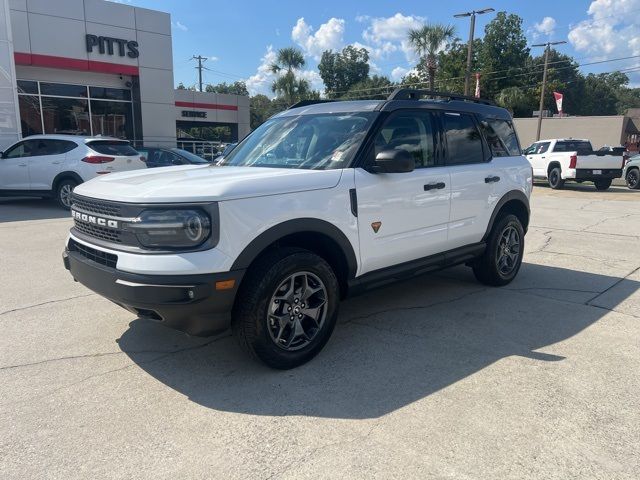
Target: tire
271,329
602,184
491,268
554,177
63,193
633,179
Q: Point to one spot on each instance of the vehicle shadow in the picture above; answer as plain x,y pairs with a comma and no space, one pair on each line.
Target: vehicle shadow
587,186
21,209
392,346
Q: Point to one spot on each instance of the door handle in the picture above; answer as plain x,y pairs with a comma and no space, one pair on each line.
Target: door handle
542,158
55,163
492,179
434,186
22,164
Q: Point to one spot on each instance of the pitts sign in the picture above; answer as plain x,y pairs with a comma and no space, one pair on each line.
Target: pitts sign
110,46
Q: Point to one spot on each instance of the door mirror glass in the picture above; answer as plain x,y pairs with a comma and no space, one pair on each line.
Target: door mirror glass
394,160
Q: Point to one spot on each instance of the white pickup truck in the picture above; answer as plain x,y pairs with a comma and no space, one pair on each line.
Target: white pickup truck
561,159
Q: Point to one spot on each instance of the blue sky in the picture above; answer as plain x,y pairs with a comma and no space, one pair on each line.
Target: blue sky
240,37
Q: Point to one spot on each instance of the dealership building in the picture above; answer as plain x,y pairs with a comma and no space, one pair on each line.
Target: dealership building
94,67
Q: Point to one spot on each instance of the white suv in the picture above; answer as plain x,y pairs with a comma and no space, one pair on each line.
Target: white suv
52,165
320,202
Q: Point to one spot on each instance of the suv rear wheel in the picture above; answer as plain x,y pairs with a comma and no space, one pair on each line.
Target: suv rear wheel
633,178
502,258
64,189
287,307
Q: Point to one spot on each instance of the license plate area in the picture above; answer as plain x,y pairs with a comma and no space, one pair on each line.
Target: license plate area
597,172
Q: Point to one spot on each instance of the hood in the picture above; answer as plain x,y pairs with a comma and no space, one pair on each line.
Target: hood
193,183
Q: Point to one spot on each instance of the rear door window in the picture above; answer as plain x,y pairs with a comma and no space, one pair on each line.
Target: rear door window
112,147
55,147
464,143
583,148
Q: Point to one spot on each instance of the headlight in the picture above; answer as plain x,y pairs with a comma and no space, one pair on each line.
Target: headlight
171,228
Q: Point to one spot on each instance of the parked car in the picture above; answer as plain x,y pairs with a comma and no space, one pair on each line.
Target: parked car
53,165
560,159
318,203
165,157
631,172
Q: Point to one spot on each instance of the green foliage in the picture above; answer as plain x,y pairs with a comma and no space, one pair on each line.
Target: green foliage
182,87
376,87
340,71
504,51
235,88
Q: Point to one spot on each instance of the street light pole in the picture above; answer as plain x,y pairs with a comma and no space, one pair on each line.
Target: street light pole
547,49
472,14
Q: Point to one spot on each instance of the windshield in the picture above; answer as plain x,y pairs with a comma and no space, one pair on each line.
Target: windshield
189,156
320,142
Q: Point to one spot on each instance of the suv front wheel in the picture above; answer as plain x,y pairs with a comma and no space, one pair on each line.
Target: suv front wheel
502,258
287,307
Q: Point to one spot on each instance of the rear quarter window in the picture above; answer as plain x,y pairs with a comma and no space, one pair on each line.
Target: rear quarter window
112,147
501,137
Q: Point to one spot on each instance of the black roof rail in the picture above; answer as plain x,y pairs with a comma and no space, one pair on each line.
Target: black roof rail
304,103
416,94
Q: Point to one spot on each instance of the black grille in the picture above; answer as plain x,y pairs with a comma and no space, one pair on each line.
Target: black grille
103,233
96,206
103,258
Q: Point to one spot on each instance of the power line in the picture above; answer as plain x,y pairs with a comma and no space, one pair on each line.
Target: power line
200,59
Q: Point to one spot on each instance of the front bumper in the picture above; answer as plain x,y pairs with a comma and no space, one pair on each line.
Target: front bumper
194,304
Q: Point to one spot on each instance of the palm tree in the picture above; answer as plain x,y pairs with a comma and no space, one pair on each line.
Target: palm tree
427,41
288,60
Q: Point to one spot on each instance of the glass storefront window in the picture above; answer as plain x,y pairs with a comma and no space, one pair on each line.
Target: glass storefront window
66,116
114,119
63,90
27,86
30,119
110,93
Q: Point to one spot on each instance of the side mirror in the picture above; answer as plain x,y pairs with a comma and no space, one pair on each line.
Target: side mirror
394,161
1,154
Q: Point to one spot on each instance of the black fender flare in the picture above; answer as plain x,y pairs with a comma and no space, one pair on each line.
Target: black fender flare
298,225
64,175
509,196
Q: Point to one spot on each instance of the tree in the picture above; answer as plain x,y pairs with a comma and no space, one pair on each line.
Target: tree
376,87
503,54
452,65
512,98
341,70
235,88
182,87
427,41
287,85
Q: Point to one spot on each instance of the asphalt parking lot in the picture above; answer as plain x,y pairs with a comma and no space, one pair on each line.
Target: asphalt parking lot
436,377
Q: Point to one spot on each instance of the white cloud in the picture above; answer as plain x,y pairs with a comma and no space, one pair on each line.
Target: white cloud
327,37
213,58
389,34
398,73
180,26
611,31
546,26
261,81
313,77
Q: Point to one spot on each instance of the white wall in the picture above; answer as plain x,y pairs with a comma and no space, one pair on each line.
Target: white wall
9,113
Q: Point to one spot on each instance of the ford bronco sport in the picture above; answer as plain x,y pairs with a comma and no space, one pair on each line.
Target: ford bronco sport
321,201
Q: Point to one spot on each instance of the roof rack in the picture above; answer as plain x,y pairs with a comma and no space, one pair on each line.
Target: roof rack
416,94
304,103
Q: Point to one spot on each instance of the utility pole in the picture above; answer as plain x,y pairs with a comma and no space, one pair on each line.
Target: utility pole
547,49
472,14
200,67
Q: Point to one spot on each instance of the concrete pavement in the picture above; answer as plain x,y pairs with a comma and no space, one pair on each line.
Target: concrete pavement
435,377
